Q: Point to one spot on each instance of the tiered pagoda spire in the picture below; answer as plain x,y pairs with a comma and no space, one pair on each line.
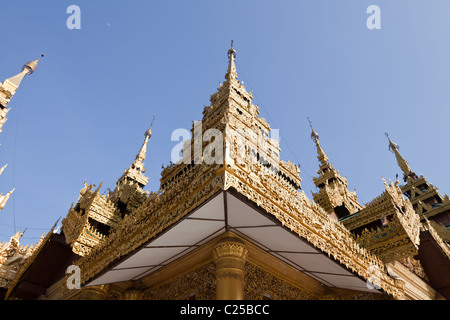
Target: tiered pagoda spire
321,155
95,215
232,134
129,193
9,88
136,170
425,198
333,194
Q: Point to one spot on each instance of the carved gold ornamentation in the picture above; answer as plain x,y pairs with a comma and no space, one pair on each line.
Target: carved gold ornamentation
425,198
260,284
31,254
333,194
396,235
199,283
13,256
91,208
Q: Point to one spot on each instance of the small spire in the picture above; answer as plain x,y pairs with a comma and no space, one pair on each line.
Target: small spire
231,71
143,151
28,68
136,171
4,198
3,168
323,158
402,163
32,65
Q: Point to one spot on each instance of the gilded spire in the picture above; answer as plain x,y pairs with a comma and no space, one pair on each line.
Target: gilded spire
136,171
333,194
402,163
323,158
231,71
140,157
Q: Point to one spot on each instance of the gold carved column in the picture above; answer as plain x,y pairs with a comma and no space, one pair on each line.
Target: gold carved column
230,255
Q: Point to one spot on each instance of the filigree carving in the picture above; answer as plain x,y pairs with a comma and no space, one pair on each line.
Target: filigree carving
13,257
259,282
200,282
397,235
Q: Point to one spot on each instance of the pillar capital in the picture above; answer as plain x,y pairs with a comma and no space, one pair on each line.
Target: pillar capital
230,255
230,252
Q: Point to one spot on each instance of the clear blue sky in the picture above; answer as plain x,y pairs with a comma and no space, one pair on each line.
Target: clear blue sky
82,115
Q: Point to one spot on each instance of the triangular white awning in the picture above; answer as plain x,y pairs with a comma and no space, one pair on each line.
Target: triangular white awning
227,212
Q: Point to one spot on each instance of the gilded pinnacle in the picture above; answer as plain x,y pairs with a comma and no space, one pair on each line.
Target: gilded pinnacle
231,71
402,163
143,151
323,158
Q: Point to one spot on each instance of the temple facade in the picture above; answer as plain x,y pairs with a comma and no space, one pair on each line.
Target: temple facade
230,221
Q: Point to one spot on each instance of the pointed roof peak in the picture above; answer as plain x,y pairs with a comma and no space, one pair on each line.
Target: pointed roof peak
402,163
231,71
32,65
28,68
136,170
143,151
323,158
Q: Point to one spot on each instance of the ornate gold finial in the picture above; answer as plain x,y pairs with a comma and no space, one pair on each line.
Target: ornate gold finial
143,151
314,134
231,71
402,163
136,170
323,158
